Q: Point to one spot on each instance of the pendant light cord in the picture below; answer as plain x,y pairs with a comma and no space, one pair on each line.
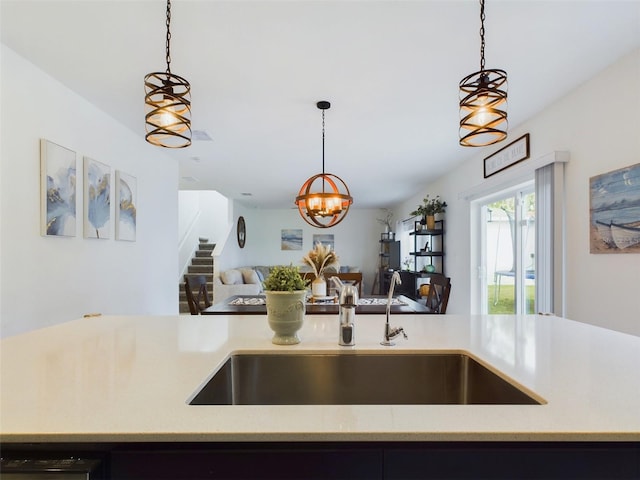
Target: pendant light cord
482,17
168,36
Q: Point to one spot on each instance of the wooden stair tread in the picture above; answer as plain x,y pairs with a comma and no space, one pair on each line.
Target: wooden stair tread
201,264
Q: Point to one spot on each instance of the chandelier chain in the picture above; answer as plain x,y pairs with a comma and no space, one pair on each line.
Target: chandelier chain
168,36
482,17
323,144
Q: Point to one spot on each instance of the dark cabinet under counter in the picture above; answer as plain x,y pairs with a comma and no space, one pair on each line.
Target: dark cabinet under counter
354,460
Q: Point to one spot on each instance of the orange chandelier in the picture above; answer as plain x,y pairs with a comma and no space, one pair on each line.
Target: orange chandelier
324,199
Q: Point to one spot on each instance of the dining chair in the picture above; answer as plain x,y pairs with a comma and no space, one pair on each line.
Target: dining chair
439,291
196,284
354,278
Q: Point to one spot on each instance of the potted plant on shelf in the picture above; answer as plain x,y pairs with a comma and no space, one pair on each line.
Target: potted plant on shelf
285,291
319,259
407,264
428,209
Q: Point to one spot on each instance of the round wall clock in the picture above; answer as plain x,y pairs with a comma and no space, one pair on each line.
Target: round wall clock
242,232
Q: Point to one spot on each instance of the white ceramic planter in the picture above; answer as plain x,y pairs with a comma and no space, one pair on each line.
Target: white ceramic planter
285,314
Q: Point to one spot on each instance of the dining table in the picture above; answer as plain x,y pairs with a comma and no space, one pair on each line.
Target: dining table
369,305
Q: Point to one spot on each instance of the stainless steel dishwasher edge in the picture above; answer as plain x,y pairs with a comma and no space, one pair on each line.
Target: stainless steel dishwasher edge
16,467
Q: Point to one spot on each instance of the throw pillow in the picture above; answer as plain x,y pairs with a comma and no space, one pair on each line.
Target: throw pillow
263,272
249,275
260,276
231,277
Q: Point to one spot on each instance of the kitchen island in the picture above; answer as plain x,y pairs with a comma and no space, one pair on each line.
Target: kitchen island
119,386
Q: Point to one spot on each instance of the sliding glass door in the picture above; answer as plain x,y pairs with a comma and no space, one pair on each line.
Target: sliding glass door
508,225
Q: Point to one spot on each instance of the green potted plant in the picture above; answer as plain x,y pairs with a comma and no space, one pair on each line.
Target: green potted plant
285,291
320,258
428,209
407,264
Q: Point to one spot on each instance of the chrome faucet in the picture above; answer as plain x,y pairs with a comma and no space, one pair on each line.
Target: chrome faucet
391,333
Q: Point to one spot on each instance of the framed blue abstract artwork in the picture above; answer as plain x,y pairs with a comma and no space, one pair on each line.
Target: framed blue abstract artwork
58,190
97,199
126,206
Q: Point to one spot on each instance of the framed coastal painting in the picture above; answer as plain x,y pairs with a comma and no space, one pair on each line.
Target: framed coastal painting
325,239
615,211
97,199
291,239
126,206
58,190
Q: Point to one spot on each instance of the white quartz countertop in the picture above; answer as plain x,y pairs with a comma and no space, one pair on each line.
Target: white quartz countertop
122,378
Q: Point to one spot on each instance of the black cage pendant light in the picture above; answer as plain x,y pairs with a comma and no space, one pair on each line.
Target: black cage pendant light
483,99
167,104
324,199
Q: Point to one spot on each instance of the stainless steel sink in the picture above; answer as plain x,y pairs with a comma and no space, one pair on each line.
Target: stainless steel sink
357,379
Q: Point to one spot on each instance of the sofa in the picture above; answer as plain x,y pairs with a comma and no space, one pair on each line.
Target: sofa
247,281
237,281
241,281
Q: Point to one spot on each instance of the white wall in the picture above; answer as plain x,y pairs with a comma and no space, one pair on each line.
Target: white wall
356,240
46,280
188,212
603,134
598,124
216,215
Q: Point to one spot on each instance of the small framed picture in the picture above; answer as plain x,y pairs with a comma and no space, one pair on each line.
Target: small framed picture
325,239
506,157
291,239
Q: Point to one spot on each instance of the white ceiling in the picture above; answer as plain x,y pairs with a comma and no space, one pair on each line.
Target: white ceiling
390,69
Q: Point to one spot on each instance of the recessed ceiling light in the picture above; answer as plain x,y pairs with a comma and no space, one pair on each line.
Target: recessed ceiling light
246,194
201,136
